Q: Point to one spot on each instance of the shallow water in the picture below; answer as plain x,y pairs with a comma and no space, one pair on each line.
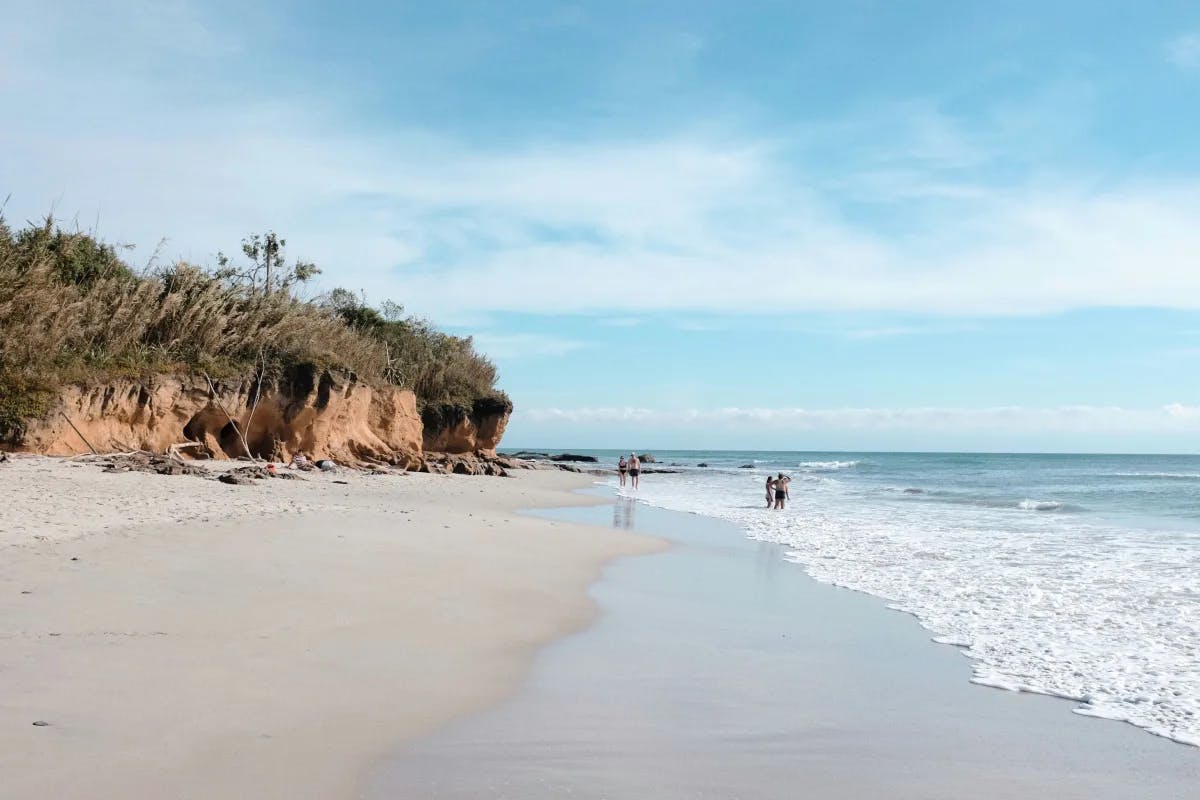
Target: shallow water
716,670
1071,575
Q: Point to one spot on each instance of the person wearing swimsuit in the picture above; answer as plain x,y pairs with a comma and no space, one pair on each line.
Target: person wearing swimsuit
635,469
622,467
770,493
781,490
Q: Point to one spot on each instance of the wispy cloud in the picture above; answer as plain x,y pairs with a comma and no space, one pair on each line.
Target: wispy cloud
688,221
525,345
1184,51
1078,419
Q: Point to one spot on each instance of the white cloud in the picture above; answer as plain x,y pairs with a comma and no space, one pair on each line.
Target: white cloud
685,222
1174,418
1184,51
524,345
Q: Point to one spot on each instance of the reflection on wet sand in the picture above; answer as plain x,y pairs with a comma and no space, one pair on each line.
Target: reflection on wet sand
623,513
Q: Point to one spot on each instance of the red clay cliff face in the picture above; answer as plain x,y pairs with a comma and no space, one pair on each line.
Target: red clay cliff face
478,432
472,435
322,414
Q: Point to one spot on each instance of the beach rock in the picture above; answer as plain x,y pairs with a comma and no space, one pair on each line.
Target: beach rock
466,464
149,462
235,480
525,454
746,466
41,723
647,458
702,464
574,457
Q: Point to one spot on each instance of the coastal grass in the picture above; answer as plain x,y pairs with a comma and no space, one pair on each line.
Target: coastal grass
72,311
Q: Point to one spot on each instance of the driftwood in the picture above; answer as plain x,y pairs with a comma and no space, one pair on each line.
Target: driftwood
81,436
216,397
173,450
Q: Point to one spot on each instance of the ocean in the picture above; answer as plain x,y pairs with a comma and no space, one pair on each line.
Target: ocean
1070,575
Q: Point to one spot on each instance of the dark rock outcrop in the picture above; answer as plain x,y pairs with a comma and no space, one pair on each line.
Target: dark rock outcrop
463,464
525,454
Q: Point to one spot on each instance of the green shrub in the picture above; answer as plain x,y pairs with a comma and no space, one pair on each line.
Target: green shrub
446,372
72,311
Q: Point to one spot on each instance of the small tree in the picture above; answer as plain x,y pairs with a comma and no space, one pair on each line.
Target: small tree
267,265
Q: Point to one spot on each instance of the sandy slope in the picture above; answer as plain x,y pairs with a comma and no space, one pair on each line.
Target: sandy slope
267,641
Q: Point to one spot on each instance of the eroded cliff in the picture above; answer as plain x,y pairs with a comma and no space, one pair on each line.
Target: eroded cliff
458,431
323,414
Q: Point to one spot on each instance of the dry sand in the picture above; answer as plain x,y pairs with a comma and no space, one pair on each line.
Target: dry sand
184,638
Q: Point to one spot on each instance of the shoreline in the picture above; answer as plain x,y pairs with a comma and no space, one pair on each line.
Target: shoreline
281,653
718,669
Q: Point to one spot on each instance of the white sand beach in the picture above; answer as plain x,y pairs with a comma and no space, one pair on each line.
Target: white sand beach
184,638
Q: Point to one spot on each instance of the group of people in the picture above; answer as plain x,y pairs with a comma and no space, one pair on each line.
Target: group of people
631,466
777,491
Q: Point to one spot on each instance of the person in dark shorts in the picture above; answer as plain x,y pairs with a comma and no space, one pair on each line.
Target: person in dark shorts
635,469
781,489
622,468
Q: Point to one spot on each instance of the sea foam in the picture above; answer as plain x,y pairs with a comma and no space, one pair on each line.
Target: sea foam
1105,615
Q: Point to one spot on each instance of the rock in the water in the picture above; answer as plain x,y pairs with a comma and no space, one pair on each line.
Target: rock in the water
574,457
746,466
702,464
648,458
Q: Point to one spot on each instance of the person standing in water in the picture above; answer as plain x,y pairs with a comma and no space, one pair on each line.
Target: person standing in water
781,490
622,467
635,469
770,492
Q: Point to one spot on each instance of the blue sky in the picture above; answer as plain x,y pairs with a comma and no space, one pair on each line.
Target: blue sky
847,225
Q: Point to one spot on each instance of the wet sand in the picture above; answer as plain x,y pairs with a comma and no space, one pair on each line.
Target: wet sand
718,670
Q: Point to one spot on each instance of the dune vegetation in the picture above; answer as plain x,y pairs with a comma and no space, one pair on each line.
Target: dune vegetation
72,310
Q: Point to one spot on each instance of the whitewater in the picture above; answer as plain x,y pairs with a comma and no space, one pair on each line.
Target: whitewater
1073,576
